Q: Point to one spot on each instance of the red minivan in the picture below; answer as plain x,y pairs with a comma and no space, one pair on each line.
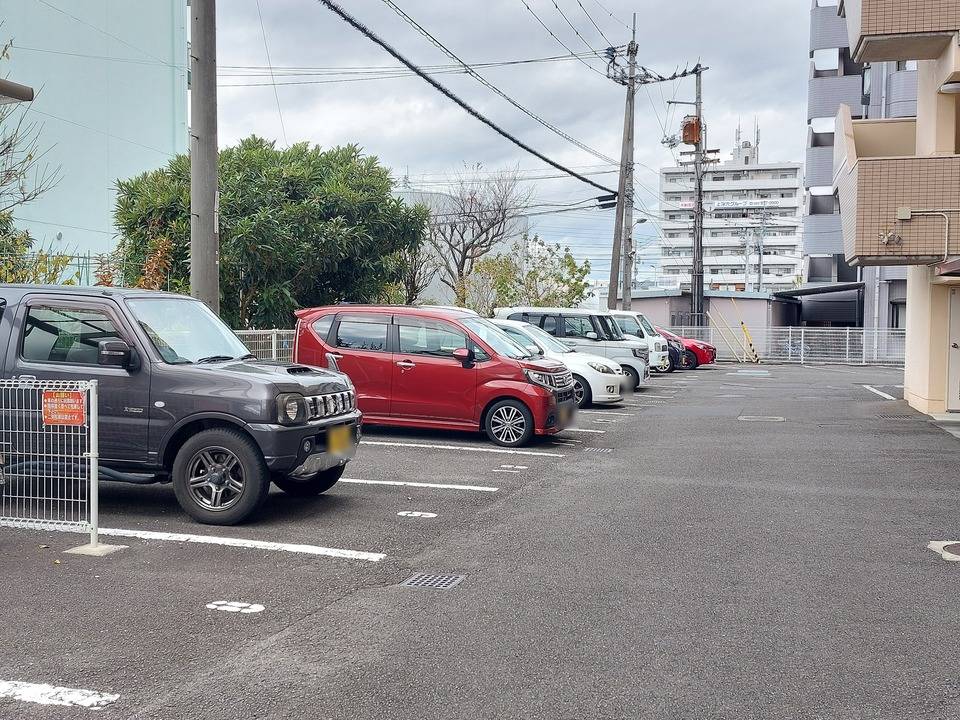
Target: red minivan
438,368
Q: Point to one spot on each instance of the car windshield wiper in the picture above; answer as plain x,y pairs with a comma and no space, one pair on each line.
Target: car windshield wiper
214,358
248,356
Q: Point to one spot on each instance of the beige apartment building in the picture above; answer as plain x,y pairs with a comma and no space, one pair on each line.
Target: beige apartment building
898,184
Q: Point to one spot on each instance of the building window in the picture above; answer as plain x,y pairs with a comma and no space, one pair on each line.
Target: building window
898,315
906,65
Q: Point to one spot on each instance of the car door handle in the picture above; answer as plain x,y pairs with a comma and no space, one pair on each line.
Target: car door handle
406,364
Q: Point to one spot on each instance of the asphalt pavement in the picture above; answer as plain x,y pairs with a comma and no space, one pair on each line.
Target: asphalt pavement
734,542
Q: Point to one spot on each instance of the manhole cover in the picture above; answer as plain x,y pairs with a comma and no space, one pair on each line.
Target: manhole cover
434,582
598,450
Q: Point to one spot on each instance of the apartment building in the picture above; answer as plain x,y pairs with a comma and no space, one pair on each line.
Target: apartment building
752,239
111,82
897,182
874,90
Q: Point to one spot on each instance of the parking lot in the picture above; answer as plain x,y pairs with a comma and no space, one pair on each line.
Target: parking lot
732,542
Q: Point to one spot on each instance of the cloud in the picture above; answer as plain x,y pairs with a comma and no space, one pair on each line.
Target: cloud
756,51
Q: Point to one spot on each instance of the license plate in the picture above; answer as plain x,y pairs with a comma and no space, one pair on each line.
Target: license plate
339,439
566,414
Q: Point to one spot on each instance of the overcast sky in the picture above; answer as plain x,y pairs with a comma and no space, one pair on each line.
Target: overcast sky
756,51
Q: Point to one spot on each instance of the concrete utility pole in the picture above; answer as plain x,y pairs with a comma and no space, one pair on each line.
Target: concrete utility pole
696,276
204,194
760,238
627,233
626,165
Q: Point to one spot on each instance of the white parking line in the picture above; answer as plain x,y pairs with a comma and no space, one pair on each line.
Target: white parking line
43,694
439,486
236,607
585,430
605,412
430,446
416,514
655,397
243,543
878,392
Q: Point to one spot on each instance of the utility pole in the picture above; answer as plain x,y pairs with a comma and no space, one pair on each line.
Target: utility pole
204,194
696,276
626,161
627,233
760,238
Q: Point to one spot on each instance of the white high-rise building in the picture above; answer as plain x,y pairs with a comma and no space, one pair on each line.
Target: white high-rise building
752,237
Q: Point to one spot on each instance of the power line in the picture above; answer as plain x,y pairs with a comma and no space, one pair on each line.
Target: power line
483,81
273,80
104,32
577,32
602,34
97,130
357,25
565,46
612,16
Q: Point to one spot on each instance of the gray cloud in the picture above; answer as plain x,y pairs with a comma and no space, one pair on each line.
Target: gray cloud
756,51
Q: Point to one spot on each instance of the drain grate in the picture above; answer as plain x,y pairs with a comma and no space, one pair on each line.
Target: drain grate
434,582
598,450
882,416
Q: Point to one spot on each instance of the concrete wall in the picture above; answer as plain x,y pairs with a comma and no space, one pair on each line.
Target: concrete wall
109,108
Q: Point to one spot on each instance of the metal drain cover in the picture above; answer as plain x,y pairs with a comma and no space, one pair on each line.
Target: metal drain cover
598,450
897,417
434,582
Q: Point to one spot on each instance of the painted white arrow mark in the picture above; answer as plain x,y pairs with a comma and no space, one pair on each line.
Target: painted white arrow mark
235,607
416,513
939,547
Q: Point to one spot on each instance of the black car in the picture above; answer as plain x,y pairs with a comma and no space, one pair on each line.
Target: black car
181,399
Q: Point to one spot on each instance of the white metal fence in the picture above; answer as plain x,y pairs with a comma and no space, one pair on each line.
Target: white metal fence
49,461
846,346
269,344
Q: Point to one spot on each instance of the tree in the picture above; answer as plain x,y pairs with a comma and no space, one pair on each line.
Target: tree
535,273
417,267
550,275
480,213
21,262
299,227
24,175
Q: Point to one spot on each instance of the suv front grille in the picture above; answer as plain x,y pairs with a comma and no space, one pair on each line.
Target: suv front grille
324,406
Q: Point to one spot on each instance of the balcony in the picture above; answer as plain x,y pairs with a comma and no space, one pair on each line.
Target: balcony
882,30
878,175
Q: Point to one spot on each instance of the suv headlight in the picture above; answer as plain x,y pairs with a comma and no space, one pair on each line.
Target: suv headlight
291,409
538,378
605,369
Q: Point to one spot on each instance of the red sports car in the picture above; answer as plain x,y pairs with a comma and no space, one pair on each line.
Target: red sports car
695,352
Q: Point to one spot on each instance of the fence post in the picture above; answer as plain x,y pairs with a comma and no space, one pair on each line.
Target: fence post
847,354
789,343
863,336
803,344
94,453
273,345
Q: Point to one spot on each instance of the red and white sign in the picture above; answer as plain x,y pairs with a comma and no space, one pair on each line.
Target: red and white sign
64,407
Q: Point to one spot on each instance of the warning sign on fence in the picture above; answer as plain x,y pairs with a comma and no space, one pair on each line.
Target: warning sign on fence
64,407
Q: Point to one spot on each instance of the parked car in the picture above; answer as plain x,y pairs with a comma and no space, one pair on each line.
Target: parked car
181,398
695,353
596,380
636,324
591,331
440,368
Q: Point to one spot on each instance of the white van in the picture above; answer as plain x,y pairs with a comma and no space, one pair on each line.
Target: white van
636,324
594,331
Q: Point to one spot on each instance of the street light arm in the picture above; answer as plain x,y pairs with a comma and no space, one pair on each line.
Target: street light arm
11,92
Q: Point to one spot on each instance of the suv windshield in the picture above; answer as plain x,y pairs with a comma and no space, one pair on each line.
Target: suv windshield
609,330
186,331
497,339
646,324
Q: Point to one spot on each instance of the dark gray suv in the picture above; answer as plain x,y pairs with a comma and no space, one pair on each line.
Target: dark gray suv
181,398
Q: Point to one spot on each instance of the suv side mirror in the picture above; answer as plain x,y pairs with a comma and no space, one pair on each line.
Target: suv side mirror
114,353
591,335
464,356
